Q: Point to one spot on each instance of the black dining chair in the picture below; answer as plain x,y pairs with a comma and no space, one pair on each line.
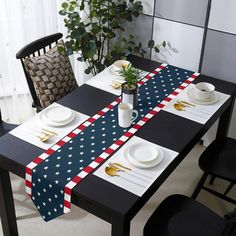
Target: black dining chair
47,70
179,215
218,161
5,127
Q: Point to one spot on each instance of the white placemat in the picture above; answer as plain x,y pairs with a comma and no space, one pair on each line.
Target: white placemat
135,181
104,80
199,113
32,128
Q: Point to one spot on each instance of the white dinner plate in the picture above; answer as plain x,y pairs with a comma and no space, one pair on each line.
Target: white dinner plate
143,155
57,116
213,99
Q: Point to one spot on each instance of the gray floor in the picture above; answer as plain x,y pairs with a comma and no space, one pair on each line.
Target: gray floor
79,222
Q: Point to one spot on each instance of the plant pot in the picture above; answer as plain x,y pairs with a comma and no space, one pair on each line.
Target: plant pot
129,95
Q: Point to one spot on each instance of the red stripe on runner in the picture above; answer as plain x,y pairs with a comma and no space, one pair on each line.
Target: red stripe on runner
28,170
168,99
67,190
37,160
128,134
28,183
144,119
161,67
61,143
82,127
160,105
153,112
174,93
67,204
109,151
118,100
109,106
136,126
194,76
76,179
99,160
88,169
181,87
91,119
188,81
101,113
119,142
141,82
71,135
49,151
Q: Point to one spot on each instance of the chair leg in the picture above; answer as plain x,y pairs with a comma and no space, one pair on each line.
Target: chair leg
228,188
212,179
199,186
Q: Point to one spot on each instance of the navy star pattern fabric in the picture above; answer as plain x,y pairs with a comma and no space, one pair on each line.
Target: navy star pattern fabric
50,176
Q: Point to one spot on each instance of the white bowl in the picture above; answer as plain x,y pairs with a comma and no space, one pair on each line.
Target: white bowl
117,66
204,91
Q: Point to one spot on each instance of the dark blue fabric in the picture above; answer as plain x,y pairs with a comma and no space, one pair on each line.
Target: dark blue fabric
50,176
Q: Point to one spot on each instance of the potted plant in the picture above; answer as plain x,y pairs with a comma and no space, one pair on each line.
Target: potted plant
129,89
97,31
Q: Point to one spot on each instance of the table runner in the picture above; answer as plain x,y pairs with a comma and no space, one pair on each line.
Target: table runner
51,176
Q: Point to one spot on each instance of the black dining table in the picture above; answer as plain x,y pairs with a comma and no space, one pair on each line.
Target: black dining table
119,206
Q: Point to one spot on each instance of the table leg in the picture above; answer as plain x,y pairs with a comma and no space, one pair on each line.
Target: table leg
224,122
121,227
7,208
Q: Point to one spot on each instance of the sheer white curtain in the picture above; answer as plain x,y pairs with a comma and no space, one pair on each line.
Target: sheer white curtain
22,21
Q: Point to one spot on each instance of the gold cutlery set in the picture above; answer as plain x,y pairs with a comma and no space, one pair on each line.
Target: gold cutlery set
116,85
115,167
46,134
181,105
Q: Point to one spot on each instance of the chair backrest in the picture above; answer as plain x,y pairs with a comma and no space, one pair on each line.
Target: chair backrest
36,48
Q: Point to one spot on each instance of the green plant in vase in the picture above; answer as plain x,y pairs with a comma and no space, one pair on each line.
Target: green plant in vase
129,89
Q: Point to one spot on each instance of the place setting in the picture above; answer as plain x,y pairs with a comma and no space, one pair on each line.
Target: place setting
197,102
49,126
110,79
137,163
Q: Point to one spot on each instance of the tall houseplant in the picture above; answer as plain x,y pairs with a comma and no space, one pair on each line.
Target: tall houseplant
92,24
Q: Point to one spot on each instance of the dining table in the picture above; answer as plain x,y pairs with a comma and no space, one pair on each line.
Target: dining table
94,194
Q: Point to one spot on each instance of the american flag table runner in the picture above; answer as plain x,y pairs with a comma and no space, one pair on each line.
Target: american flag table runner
51,177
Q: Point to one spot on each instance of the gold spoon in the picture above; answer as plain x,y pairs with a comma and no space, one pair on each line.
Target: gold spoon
178,107
112,172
